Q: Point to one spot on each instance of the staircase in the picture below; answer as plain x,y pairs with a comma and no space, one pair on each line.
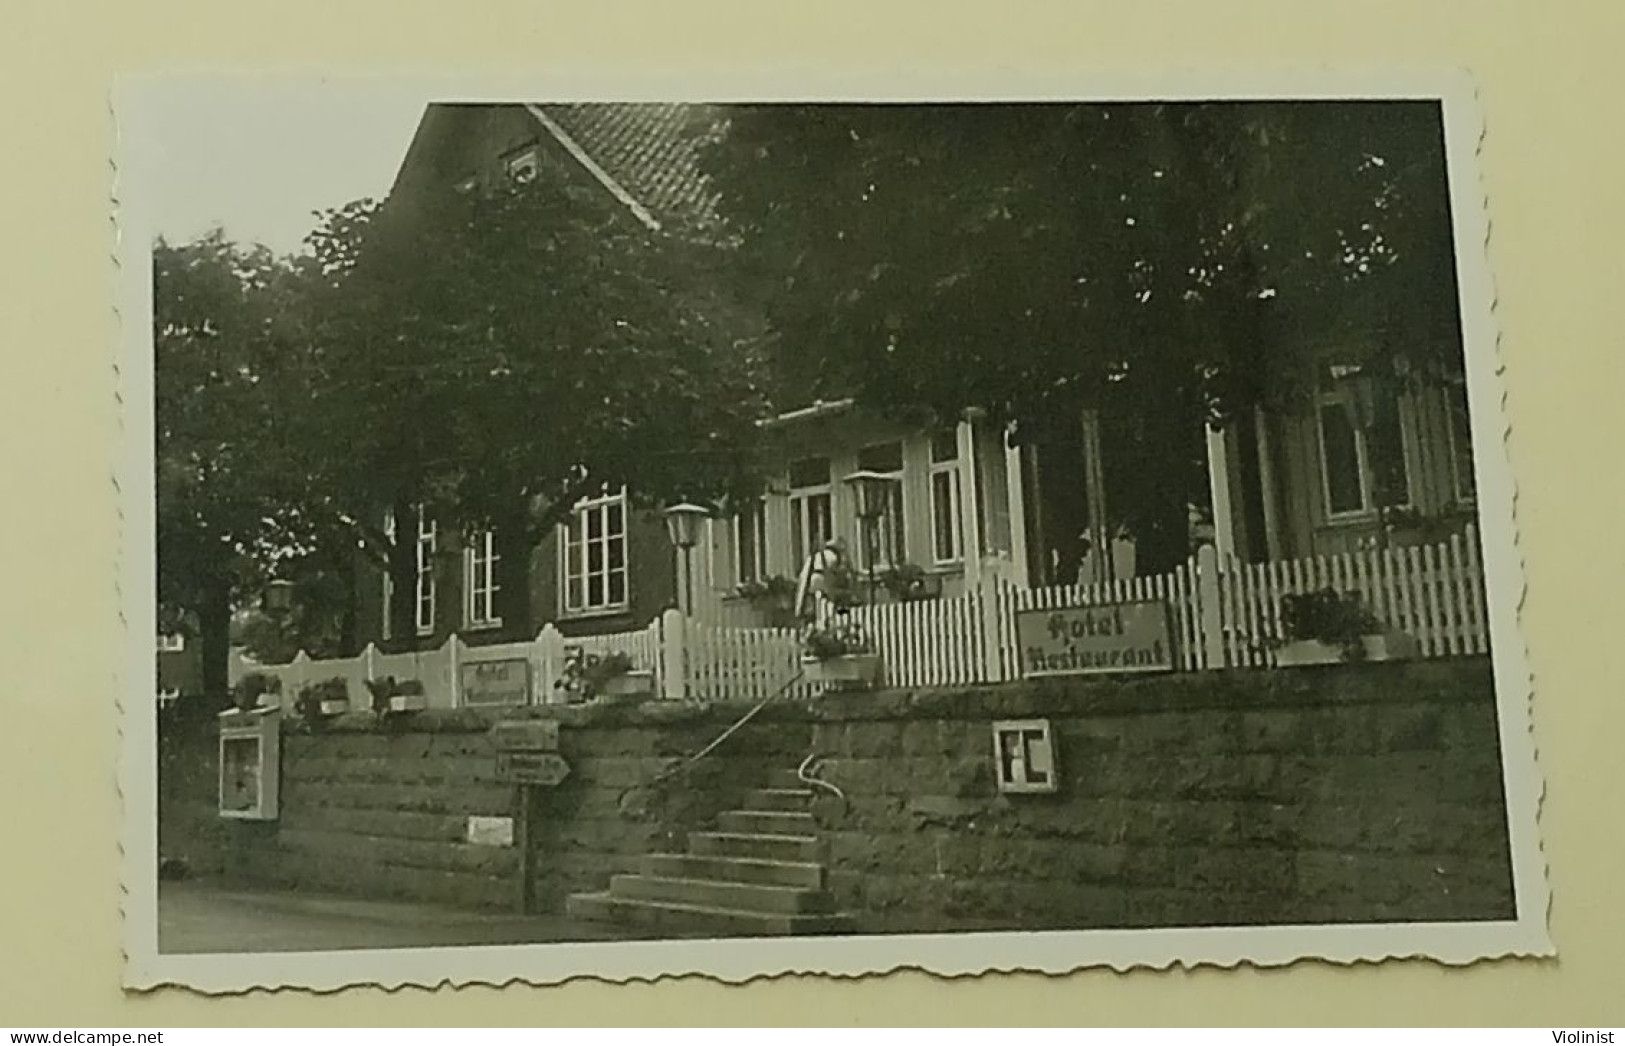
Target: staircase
759,874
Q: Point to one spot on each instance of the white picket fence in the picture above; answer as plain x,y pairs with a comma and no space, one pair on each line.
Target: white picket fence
1222,614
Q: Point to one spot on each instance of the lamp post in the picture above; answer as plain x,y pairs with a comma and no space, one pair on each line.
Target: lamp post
872,491
276,602
683,527
277,598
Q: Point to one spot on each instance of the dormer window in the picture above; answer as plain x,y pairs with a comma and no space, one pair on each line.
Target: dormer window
522,166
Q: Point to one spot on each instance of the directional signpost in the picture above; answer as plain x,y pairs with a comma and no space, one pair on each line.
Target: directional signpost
528,758
544,769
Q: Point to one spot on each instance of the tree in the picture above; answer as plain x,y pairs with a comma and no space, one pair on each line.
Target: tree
223,510
491,358
1167,265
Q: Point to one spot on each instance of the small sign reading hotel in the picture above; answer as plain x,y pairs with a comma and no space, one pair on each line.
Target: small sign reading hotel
1116,637
505,682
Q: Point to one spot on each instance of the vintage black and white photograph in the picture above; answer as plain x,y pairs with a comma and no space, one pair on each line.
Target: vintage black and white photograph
610,536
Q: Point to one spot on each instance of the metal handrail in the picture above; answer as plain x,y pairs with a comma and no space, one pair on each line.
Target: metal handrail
673,771
807,773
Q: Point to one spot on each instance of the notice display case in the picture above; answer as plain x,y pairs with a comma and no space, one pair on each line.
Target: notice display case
250,760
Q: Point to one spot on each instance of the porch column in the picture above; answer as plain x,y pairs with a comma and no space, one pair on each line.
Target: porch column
1016,497
970,527
1266,484
1095,489
1218,475
777,522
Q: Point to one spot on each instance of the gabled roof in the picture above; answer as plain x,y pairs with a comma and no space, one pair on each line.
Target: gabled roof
647,155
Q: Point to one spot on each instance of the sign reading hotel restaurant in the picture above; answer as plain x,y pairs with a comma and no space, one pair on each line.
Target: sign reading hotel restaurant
505,682
1115,637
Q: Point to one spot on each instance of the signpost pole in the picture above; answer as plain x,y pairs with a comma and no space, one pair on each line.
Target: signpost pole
524,839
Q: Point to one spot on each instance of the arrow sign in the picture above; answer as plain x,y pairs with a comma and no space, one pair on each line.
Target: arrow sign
532,768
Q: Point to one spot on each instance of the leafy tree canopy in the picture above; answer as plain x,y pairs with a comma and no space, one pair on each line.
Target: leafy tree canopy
1025,258
226,513
1167,265
506,353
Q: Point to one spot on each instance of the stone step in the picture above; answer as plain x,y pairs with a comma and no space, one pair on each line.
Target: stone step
735,869
755,844
717,893
791,799
785,779
689,920
768,822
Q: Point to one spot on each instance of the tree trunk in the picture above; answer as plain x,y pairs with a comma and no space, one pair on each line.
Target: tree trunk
214,641
349,614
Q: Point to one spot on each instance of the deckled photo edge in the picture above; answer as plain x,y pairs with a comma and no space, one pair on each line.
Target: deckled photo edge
958,954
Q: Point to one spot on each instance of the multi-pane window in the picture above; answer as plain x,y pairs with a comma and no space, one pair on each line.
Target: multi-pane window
811,518
946,534
1460,430
750,543
594,550
480,574
1362,457
889,546
425,584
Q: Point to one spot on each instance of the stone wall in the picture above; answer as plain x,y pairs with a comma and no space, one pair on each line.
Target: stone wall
1347,793
381,808
1340,794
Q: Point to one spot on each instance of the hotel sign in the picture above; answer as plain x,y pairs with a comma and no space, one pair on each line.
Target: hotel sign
505,682
1095,640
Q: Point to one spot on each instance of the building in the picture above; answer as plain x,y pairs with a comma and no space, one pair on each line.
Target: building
1345,467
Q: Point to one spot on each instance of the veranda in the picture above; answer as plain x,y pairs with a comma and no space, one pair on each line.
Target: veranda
1224,614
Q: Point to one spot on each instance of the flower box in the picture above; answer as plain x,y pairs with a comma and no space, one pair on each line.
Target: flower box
628,687
408,703
843,671
335,706
1382,646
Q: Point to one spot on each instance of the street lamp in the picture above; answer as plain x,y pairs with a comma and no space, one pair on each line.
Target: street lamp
872,491
277,598
683,527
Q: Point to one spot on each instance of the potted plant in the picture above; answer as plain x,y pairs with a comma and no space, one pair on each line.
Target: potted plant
254,690
329,697
908,582
1326,627
774,598
612,678
391,696
840,653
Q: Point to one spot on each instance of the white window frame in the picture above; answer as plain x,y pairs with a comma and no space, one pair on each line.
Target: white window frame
802,500
751,519
480,562
578,524
425,590
1367,479
946,473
